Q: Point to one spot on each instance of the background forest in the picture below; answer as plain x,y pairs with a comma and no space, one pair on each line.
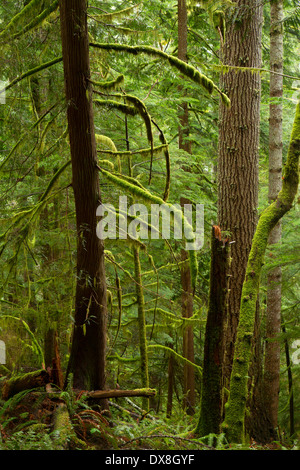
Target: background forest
160,130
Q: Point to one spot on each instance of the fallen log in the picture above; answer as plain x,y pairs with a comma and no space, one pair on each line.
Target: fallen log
23,382
117,393
64,435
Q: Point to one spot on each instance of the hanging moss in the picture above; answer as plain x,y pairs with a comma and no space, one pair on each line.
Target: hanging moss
144,153
111,104
117,14
32,72
24,136
109,85
30,216
21,18
233,424
145,195
185,69
142,111
37,21
178,356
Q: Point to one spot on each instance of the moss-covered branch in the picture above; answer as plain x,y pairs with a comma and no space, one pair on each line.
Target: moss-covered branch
185,69
31,72
177,356
21,18
109,85
36,21
233,424
146,195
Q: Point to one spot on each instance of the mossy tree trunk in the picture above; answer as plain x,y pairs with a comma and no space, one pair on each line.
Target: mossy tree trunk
141,325
211,404
233,424
87,358
273,313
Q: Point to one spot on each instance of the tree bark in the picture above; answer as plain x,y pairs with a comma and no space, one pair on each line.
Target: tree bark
23,382
211,404
273,313
235,410
87,358
183,130
141,325
239,128
139,392
187,290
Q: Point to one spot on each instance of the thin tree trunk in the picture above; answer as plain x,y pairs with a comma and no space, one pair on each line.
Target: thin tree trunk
273,314
170,384
141,325
290,382
183,130
87,358
239,128
187,291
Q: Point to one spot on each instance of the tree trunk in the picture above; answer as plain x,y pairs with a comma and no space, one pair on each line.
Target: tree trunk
141,325
290,382
235,410
238,151
170,384
87,358
187,291
211,397
183,130
188,336
24,382
273,314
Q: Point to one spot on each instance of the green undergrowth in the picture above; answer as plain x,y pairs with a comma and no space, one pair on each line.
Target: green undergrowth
27,422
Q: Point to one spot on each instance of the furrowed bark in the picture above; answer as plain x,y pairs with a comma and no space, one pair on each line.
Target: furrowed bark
233,424
211,404
87,358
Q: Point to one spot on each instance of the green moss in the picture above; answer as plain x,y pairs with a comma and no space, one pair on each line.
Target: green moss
236,409
37,20
21,18
109,85
144,194
32,72
185,69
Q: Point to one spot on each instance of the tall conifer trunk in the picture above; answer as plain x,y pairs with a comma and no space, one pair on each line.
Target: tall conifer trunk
187,291
238,151
273,315
87,358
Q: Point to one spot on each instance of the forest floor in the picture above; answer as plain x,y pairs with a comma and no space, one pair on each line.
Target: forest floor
38,421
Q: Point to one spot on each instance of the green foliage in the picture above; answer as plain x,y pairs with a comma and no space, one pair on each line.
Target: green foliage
138,90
